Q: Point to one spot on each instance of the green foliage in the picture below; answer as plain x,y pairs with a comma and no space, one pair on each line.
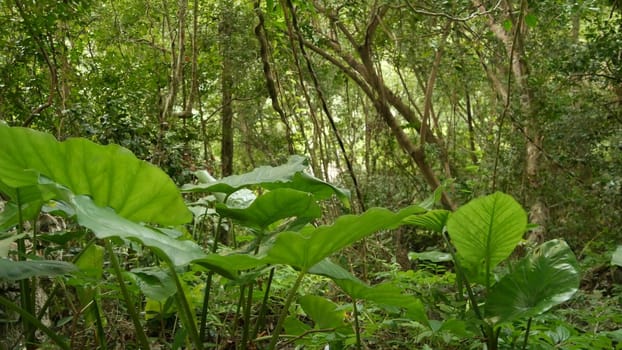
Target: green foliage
548,276
485,232
111,175
278,210
309,246
18,270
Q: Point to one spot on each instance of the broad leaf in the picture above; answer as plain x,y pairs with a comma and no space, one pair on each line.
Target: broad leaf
485,231
110,174
273,206
547,277
105,223
91,262
386,294
322,311
155,283
31,199
310,245
91,265
289,175
18,270
433,220
229,265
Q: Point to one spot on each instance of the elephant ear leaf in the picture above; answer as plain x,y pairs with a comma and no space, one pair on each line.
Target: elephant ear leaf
485,231
547,277
111,174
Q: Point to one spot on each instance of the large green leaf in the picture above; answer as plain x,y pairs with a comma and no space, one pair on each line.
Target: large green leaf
19,270
105,223
156,283
310,245
229,265
547,277
433,220
322,311
289,175
31,199
273,206
110,174
485,231
386,294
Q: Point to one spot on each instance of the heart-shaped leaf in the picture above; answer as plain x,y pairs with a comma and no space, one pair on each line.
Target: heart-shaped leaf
110,174
485,231
310,245
273,206
289,175
433,220
105,223
547,277
322,311
386,294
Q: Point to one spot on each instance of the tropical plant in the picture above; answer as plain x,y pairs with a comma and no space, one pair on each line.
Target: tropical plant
481,235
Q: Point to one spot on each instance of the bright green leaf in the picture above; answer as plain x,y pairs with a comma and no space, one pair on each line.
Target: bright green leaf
156,283
485,231
91,261
433,220
322,311
289,175
507,25
531,20
310,245
294,326
229,265
110,174
383,294
105,223
273,206
547,277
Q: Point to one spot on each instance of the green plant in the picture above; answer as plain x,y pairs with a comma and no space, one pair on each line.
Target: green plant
482,234
107,190
110,192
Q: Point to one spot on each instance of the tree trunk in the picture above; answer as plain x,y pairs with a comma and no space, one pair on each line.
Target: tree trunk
226,81
515,49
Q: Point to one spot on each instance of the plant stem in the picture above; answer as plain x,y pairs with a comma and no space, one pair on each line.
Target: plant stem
101,334
247,316
285,311
527,333
264,305
26,291
208,286
357,328
131,309
28,317
184,308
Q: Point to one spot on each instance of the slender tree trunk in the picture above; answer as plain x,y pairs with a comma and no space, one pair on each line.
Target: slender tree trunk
226,81
515,49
